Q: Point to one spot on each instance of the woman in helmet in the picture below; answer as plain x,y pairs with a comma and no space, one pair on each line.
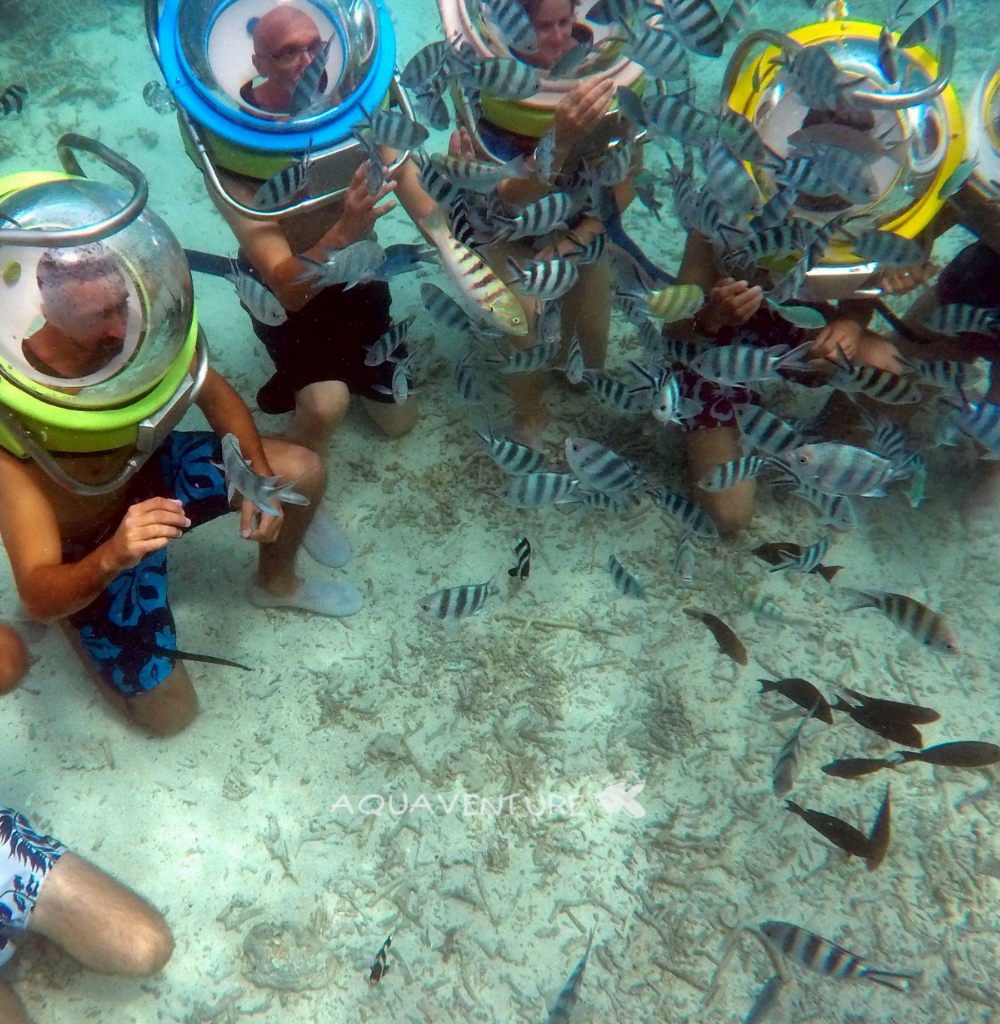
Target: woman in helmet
586,308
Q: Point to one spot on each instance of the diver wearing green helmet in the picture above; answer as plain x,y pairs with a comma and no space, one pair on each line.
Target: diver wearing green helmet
96,558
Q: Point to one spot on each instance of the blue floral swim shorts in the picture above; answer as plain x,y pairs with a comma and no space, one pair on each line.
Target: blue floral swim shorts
123,628
26,857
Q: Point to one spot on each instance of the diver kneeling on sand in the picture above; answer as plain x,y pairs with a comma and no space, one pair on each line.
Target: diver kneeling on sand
101,357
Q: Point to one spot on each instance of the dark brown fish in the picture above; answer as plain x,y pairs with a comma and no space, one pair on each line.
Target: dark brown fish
855,767
729,643
771,553
803,693
173,655
894,709
960,754
881,833
380,968
905,734
850,839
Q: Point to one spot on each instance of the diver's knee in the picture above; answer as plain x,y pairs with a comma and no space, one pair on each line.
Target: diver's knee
13,659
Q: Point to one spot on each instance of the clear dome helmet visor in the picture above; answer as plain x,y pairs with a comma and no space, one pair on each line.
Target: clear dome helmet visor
92,326
217,44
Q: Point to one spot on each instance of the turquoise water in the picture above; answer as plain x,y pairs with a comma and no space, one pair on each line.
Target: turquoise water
250,820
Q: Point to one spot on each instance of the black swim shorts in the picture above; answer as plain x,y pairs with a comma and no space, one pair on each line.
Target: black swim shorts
972,278
327,339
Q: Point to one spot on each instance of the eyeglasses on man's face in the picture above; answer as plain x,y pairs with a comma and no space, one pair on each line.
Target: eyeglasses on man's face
289,55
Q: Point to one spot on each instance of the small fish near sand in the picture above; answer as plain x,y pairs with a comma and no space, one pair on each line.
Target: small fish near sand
452,604
959,754
803,693
780,553
562,1008
381,965
817,954
850,839
894,709
924,624
856,767
625,583
905,734
264,492
880,834
522,550
12,99
786,764
729,643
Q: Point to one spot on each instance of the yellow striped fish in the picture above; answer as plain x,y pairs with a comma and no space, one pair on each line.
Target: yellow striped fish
675,302
476,282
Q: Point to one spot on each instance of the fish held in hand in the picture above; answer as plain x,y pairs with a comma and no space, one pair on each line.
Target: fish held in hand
264,492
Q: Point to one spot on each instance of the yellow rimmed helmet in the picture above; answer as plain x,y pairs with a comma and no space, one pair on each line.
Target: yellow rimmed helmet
921,124
98,333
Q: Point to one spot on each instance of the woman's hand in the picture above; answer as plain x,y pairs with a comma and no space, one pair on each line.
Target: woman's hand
580,110
838,339
357,219
728,304
900,280
460,145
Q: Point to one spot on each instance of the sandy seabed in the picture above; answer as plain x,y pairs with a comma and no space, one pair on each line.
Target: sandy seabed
250,830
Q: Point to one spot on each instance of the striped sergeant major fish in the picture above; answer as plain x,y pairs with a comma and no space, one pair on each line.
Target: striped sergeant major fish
779,240
670,303
263,492
776,210
393,128
477,175
890,249
743,139
400,388
610,12
946,374
825,957
479,287
623,580
307,89
535,490
929,24
522,549
601,469
658,50
448,313
693,518
925,625
748,364
502,77
696,23
617,393
467,386
981,422
455,603
349,266
786,764
732,185
684,560
281,188
13,98
545,279
615,503
514,24
424,65
669,406
805,561
677,119
511,457
575,367
729,474
262,303
383,349
836,468
527,360
835,510
562,1008
959,318
879,385
537,218
888,439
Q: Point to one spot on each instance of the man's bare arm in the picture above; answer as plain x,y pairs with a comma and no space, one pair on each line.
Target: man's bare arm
49,588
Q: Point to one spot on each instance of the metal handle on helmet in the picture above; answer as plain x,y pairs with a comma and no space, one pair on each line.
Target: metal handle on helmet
899,100
102,228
